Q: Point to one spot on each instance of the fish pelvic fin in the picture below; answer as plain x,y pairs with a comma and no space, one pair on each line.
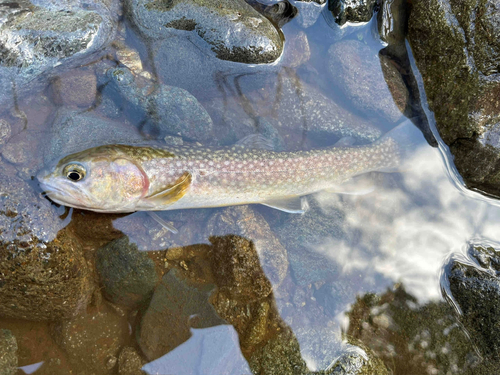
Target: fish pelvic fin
173,192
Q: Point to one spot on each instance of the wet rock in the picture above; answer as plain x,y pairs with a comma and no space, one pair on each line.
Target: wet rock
279,13
8,353
74,131
181,303
42,277
475,290
392,21
358,360
128,275
5,131
233,30
355,68
462,89
244,221
130,362
92,341
48,37
166,109
352,10
77,88
236,268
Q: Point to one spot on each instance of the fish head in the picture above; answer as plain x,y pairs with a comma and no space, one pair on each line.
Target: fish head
100,179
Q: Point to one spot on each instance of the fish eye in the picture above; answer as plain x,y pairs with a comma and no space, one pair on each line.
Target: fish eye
74,172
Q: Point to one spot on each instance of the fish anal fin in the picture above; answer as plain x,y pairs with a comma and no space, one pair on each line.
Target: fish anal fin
173,192
292,205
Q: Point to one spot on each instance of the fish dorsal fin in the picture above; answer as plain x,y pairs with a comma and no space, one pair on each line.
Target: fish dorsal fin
293,205
173,192
162,222
256,141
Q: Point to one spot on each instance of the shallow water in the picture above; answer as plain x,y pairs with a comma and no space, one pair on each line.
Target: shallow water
338,273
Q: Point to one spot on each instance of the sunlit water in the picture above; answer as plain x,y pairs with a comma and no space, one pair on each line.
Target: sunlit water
402,232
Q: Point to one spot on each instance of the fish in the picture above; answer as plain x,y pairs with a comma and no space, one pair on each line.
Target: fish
123,178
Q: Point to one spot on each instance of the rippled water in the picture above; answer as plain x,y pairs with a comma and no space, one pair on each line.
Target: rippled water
355,274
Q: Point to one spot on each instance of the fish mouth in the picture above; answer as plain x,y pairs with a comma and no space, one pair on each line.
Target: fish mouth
58,195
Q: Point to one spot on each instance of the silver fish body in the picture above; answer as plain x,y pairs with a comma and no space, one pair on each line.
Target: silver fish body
120,178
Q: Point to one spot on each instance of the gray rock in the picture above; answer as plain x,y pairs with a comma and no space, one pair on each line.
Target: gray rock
168,110
352,10
297,51
244,221
304,109
355,68
48,37
232,28
309,11
300,233
5,131
75,88
52,279
176,306
74,131
128,275
462,89
8,353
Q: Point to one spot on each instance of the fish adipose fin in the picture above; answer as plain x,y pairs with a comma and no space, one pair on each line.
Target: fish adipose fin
172,193
295,205
162,222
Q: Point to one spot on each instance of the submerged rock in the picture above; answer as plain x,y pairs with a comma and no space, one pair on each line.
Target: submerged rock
244,221
352,10
130,362
42,277
279,13
92,341
128,275
5,131
167,110
8,353
232,28
356,69
45,37
74,131
177,305
457,51
75,88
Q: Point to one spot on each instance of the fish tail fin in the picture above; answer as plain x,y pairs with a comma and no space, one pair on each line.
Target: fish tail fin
408,139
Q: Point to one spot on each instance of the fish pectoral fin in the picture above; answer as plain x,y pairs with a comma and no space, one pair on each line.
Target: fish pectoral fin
294,205
162,222
256,141
358,185
173,192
